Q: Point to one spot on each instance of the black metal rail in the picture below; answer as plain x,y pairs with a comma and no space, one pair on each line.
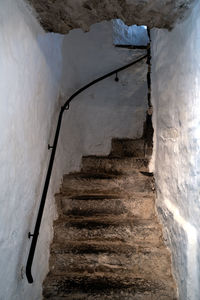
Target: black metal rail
133,47
34,236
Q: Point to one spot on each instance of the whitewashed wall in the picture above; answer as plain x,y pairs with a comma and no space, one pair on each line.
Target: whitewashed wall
176,100
32,64
30,70
108,109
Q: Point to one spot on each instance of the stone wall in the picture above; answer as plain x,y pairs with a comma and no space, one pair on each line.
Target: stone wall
64,15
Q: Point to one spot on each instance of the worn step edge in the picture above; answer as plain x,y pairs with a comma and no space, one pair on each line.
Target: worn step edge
142,259
129,147
104,176
105,245
90,213
114,165
144,231
99,281
151,274
92,175
140,207
104,196
109,219
72,185
125,294
139,142
144,265
97,246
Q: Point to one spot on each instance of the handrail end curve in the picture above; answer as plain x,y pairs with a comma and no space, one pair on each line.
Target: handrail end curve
29,275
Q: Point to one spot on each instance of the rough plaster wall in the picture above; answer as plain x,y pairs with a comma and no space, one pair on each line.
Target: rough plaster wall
176,99
30,73
30,70
108,109
63,15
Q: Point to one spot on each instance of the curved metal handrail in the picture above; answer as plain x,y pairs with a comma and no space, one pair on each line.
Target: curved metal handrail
49,171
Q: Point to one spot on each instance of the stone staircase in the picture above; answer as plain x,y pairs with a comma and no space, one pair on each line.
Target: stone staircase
108,242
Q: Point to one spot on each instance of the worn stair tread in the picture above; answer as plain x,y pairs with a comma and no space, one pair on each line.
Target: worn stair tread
138,141
112,159
143,262
139,233
103,245
92,196
107,280
91,175
100,195
108,220
129,147
127,294
139,206
101,282
81,183
114,165
135,161
101,176
101,212
72,193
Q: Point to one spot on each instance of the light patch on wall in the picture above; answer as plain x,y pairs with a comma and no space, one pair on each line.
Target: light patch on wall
192,254
129,35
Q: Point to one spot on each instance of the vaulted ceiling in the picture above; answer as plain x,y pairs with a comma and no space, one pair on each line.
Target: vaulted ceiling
63,15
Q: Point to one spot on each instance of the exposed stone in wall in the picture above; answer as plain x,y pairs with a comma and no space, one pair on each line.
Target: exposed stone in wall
63,15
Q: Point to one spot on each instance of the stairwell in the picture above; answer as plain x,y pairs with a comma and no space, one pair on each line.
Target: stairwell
108,242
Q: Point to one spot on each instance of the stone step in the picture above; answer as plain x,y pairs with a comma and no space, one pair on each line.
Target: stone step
126,294
114,165
98,247
139,232
140,206
108,243
147,263
105,284
82,183
129,148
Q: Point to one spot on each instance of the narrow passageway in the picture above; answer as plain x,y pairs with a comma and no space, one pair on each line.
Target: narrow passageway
125,220
108,241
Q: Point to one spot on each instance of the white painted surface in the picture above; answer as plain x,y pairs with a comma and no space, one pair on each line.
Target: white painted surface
30,70
129,35
109,109
31,63
176,100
